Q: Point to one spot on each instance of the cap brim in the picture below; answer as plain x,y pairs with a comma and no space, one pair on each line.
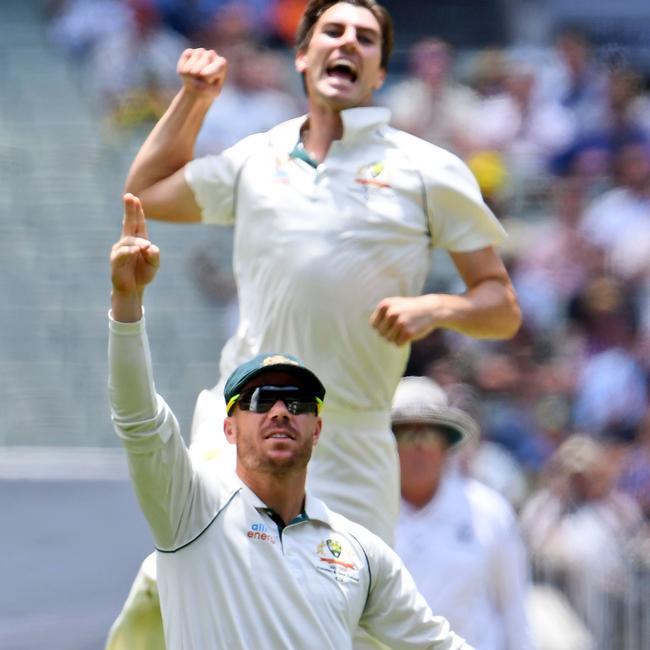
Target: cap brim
305,376
458,426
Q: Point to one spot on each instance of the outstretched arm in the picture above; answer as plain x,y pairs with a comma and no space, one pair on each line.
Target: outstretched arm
171,498
156,174
488,309
134,263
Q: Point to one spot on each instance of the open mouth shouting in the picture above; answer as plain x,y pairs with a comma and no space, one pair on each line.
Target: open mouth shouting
342,70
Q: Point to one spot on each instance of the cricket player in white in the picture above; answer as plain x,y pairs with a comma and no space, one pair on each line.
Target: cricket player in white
335,216
248,559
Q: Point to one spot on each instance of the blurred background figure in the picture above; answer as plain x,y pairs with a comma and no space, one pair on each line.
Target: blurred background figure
523,126
618,220
576,79
619,118
229,21
634,477
76,26
611,380
430,103
581,532
458,538
555,258
255,99
132,71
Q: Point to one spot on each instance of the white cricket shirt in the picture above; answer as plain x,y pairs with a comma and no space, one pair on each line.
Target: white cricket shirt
466,554
316,249
228,576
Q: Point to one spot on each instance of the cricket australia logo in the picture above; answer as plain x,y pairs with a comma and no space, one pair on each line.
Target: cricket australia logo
334,547
373,175
336,561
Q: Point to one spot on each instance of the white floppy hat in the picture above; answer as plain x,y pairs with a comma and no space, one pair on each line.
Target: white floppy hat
422,400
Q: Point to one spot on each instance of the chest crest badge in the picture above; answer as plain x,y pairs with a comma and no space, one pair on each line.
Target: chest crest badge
374,175
334,547
336,561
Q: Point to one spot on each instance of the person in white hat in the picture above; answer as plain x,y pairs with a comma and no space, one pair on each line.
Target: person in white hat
458,538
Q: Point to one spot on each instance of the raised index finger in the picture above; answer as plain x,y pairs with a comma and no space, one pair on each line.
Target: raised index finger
134,222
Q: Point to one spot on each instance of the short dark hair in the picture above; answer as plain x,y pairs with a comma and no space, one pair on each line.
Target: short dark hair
316,8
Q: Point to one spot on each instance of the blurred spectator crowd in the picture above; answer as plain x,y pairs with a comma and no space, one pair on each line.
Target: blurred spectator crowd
127,51
559,141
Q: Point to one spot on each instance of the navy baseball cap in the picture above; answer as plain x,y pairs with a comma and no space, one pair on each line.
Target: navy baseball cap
272,362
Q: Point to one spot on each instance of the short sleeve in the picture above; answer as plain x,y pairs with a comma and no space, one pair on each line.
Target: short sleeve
214,179
459,218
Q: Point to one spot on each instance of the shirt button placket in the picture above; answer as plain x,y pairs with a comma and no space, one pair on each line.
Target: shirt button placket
292,555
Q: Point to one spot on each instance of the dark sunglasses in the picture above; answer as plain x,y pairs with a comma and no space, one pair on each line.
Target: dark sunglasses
262,398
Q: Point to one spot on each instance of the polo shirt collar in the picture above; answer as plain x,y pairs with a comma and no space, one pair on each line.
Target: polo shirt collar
357,120
250,497
364,118
314,508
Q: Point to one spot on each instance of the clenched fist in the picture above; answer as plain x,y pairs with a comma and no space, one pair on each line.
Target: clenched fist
202,71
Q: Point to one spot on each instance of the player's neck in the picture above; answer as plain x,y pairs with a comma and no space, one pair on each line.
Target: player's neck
321,129
283,493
